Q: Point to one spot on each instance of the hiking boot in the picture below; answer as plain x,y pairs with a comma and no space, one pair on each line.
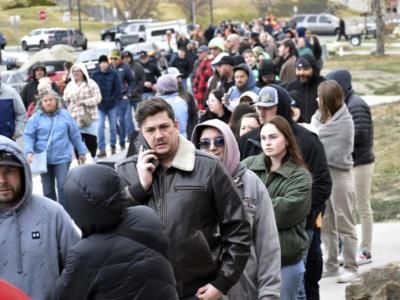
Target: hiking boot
101,154
122,147
113,150
363,258
346,277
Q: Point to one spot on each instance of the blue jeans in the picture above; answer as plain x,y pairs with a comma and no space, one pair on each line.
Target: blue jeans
302,291
123,107
147,96
291,280
130,125
112,120
55,174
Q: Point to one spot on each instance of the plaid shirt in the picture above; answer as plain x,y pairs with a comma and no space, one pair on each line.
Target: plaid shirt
82,99
200,81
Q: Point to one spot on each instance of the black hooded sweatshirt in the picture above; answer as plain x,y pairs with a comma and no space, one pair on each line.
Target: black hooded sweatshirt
308,90
123,253
311,148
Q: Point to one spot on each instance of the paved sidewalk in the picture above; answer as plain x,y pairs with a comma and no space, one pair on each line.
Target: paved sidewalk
385,249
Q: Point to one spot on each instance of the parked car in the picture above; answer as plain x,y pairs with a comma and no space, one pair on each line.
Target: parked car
110,33
323,24
15,78
3,41
136,48
72,37
132,33
13,61
38,38
90,58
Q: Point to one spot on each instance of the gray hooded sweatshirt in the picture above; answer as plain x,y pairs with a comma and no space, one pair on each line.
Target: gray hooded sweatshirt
34,237
261,277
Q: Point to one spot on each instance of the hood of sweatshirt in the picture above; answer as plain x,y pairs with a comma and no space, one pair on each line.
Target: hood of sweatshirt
231,149
343,78
96,198
12,147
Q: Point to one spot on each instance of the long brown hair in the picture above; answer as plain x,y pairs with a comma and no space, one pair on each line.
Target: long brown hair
293,151
331,99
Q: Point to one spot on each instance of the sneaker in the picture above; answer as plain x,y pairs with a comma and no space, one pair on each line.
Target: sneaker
346,277
363,258
340,260
113,150
101,154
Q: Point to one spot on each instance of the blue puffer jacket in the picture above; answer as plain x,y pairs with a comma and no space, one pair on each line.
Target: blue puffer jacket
110,88
66,132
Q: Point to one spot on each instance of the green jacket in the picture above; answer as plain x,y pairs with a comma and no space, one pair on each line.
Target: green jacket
290,191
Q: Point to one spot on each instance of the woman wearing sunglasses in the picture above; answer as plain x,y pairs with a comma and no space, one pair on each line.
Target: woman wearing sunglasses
261,277
281,168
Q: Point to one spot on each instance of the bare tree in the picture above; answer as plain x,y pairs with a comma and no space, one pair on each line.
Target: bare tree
380,27
137,8
188,9
263,6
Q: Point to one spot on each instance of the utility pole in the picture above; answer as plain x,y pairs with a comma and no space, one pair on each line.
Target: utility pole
211,12
194,12
79,15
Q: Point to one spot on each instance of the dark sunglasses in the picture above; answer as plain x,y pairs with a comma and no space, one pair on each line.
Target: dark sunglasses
206,143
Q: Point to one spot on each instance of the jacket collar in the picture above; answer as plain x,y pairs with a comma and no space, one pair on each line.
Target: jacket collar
185,156
259,165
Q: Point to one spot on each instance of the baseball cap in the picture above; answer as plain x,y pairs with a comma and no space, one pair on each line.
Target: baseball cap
303,63
267,97
8,159
226,60
143,53
217,59
202,48
115,53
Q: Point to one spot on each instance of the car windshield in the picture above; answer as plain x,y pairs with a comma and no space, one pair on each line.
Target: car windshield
91,55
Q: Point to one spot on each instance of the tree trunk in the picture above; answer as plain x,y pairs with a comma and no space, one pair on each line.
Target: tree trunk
380,27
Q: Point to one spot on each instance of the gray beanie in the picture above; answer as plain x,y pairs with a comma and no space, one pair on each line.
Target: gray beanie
167,83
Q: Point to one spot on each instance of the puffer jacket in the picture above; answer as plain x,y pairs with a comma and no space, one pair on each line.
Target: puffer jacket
123,253
203,216
290,190
363,152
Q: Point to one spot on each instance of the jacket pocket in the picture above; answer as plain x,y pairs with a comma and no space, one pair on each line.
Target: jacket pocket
192,187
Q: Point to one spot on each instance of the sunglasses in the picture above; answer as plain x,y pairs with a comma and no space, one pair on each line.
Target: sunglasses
206,143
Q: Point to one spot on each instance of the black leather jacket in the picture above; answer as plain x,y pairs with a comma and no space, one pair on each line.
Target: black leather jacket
203,215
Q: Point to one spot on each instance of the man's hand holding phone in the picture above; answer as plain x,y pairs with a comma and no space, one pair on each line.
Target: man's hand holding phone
146,167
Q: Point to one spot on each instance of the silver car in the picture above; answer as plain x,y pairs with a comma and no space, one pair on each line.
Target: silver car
323,24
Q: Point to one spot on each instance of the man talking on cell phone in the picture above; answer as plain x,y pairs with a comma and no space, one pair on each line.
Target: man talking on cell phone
195,199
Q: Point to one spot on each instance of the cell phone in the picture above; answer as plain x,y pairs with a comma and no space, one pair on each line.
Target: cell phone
141,141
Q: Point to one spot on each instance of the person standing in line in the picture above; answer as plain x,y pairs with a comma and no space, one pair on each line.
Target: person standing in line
364,159
261,277
13,113
196,201
110,87
82,95
126,77
129,244
281,168
151,73
336,130
52,128
35,232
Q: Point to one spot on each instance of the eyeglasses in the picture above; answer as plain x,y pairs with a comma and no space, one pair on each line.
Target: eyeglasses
206,142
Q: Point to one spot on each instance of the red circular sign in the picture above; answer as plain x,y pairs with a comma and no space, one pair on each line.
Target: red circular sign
42,15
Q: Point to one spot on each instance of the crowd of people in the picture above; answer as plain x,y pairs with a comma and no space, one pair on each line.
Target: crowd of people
243,159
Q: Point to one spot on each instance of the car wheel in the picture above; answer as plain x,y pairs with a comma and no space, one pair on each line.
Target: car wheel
42,45
84,46
108,38
355,40
24,46
118,45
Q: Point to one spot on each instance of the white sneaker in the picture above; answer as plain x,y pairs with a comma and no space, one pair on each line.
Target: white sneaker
346,277
340,259
330,273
